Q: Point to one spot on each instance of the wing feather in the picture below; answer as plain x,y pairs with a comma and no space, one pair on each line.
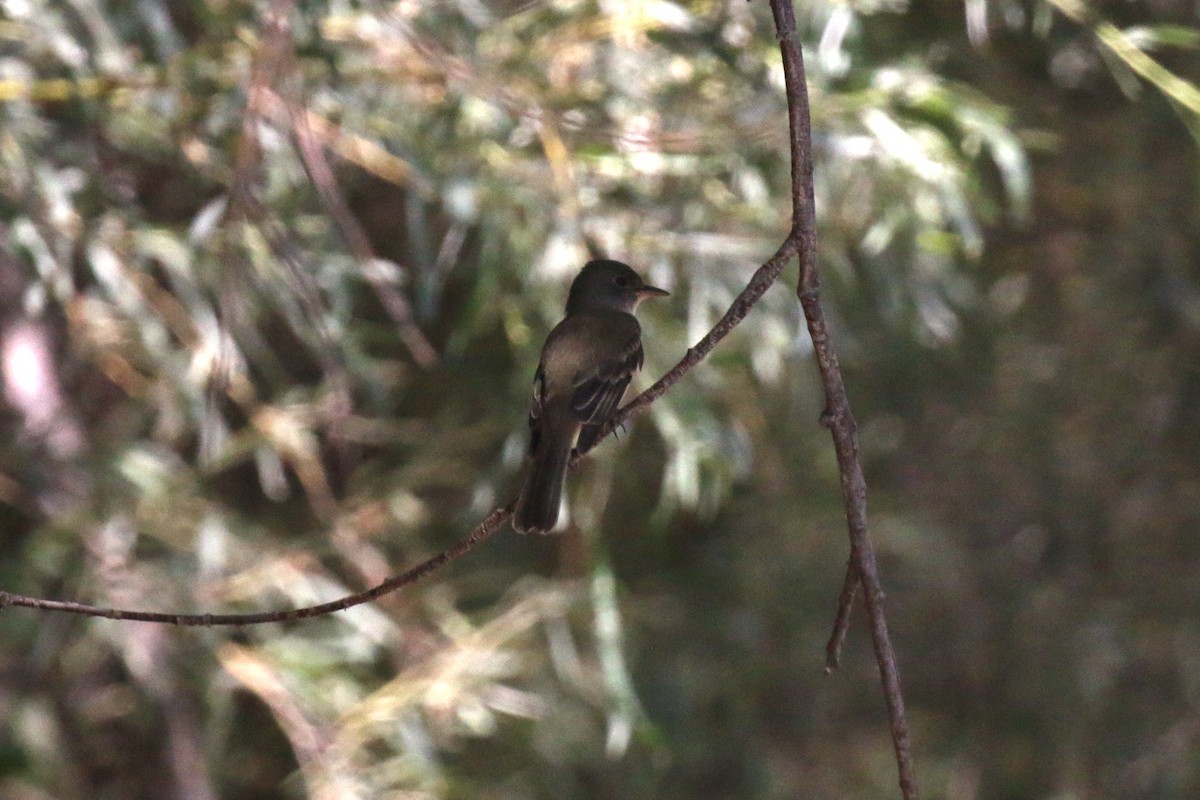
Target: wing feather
586,365
535,409
598,394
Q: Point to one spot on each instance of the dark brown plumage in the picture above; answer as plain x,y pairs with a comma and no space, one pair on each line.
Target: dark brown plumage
586,365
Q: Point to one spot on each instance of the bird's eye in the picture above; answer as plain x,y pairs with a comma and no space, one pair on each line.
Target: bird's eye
622,281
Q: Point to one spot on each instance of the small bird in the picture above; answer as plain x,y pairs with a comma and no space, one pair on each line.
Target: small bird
586,364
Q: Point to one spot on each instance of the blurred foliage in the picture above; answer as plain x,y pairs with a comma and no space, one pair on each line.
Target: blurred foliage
212,399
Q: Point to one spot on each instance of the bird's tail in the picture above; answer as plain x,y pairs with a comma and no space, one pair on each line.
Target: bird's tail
537,508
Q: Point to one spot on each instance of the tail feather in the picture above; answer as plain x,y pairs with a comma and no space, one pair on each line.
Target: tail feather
537,508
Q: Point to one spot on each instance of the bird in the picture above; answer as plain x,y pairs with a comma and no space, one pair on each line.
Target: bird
586,364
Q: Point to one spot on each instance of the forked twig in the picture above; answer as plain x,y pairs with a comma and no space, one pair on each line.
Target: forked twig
841,623
837,413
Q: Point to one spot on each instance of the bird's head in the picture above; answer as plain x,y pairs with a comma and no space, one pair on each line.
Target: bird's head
609,284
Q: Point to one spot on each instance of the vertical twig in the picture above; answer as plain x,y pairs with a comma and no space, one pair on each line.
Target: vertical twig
841,623
837,411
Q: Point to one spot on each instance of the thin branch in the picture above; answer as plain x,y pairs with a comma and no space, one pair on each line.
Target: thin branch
494,522
837,410
841,623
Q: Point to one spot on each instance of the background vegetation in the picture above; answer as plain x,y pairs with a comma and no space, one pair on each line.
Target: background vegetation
273,279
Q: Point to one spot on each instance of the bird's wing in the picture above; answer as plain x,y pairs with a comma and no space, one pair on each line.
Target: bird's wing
598,391
535,409
586,364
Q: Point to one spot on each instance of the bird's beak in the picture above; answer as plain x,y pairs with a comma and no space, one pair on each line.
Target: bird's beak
651,291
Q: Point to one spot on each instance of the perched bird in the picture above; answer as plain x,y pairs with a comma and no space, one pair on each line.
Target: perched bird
587,362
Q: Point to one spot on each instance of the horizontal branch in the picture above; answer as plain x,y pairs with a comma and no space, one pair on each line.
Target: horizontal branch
483,531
